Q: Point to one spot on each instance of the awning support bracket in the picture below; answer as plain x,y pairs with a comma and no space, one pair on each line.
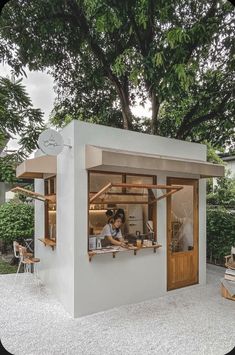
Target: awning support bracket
31,194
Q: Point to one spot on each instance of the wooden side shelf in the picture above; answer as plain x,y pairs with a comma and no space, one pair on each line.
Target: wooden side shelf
93,253
48,242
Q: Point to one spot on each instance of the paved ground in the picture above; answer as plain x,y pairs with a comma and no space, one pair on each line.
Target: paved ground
194,320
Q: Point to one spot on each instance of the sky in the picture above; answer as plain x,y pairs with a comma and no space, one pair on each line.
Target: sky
39,86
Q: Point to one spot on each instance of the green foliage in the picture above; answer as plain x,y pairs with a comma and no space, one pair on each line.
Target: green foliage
18,119
212,156
6,268
17,116
7,170
16,221
106,56
224,192
177,36
220,233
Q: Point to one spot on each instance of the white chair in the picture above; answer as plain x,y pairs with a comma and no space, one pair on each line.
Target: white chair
16,246
27,260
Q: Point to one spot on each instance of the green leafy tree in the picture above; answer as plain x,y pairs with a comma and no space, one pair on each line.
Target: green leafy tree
7,169
18,119
108,55
17,115
220,233
224,192
212,157
16,221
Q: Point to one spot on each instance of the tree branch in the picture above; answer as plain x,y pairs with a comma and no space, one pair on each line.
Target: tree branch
81,21
198,120
185,120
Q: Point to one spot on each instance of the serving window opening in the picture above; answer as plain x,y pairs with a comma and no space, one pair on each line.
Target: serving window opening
110,193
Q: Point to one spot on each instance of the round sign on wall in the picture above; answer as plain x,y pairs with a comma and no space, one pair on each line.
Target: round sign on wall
51,142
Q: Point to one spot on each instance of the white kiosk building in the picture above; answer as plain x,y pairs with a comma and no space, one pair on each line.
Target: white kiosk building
160,184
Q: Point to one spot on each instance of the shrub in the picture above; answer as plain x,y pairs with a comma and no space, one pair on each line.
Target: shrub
220,233
16,221
224,192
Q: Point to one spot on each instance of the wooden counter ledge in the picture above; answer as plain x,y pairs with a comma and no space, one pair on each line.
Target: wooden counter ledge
48,242
114,251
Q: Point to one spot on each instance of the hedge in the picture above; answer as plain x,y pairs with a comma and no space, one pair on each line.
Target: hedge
220,233
16,221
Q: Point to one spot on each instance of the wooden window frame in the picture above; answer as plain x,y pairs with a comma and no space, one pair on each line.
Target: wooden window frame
151,209
51,197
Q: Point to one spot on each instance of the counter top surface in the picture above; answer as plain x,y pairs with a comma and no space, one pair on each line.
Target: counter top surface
118,249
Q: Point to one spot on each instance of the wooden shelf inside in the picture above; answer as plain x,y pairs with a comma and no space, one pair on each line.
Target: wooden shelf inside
48,242
114,251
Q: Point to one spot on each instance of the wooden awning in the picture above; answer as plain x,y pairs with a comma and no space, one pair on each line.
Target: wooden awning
170,189
31,194
35,168
106,159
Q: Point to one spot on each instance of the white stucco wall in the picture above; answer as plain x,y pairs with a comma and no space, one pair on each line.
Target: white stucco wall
56,267
105,282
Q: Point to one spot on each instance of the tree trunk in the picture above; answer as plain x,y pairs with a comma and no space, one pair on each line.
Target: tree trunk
127,117
155,110
125,105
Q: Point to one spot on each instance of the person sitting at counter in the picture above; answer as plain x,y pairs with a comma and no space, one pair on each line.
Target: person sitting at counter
111,232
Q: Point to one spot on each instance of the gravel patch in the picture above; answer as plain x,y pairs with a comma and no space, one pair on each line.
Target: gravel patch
192,320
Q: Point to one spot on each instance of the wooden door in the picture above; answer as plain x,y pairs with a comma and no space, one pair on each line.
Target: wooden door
182,234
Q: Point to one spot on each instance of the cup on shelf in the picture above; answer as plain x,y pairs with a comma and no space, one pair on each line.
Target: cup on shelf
138,243
147,243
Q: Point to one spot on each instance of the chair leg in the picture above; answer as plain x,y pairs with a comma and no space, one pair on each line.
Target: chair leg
26,272
36,277
18,269
17,272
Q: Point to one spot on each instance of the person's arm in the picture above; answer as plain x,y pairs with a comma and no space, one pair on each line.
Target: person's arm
116,242
121,238
113,241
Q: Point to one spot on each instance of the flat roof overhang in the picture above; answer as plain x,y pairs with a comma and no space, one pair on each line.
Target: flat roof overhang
107,159
35,168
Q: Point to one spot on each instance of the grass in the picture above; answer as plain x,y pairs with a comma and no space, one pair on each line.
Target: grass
6,268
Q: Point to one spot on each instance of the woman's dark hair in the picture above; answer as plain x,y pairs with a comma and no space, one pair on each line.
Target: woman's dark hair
117,216
120,212
109,213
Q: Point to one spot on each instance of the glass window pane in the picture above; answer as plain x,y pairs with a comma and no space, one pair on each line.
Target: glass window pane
182,219
137,179
52,220
99,180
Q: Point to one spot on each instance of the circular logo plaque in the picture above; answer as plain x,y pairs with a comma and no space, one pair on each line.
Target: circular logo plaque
51,142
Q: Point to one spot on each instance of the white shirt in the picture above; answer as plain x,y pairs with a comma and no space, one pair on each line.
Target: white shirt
108,231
